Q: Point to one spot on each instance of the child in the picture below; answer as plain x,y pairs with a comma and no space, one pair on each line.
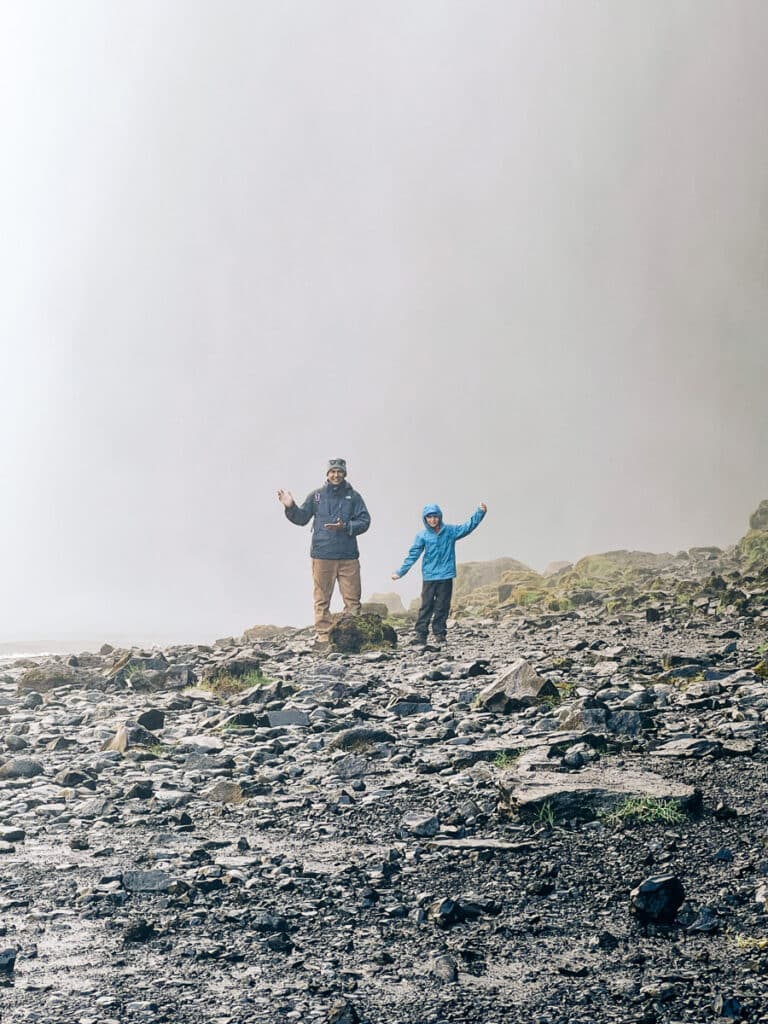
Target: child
438,542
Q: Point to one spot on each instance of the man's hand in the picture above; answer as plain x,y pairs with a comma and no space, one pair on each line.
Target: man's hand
285,498
338,525
483,506
395,576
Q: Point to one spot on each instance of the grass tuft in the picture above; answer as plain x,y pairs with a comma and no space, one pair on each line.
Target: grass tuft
226,685
506,759
645,810
162,751
546,814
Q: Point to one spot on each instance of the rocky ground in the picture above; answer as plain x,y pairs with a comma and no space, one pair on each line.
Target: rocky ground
421,835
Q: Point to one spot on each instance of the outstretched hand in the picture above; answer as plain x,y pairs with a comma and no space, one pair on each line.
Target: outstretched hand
395,576
285,498
483,506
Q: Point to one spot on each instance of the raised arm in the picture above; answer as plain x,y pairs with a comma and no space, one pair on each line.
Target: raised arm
472,523
416,549
298,514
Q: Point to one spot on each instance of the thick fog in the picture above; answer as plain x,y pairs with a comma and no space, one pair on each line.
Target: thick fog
511,252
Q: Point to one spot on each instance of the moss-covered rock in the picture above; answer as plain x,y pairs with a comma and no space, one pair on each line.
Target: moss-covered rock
752,550
625,581
355,633
759,518
471,576
256,633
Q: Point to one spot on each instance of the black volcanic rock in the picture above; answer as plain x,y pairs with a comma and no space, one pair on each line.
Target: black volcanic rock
658,898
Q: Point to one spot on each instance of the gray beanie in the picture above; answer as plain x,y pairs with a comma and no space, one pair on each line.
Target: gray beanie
337,464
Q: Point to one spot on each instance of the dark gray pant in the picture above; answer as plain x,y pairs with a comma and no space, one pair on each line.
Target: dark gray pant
435,605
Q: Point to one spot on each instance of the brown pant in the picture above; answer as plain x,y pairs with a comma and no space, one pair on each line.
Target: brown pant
326,572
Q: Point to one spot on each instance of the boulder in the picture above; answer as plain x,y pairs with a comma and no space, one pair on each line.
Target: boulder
409,703
236,667
224,791
355,633
759,518
444,969
752,550
595,790
131,734
152,718
131,662
360,739
425,826
48,676
342,1012
21,768
658,899
8,959
267,632
517,687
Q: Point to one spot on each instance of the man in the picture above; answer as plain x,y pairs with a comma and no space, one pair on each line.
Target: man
339,516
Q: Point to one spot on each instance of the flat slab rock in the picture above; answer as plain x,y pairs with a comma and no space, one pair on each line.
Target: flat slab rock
593,791
688,747
545,745
696,747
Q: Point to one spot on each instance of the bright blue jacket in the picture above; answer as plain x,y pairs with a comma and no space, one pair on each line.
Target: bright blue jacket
439,546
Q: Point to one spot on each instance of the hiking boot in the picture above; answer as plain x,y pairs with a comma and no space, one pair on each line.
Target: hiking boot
440,638
419,640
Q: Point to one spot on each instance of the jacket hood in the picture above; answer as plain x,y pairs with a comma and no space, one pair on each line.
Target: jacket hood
431,510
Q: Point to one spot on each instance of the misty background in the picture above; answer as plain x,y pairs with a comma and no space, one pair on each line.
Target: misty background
498,251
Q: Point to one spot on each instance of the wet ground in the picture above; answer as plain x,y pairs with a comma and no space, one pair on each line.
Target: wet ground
308,894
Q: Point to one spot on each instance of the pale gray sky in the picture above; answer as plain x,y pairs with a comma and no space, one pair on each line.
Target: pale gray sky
505,251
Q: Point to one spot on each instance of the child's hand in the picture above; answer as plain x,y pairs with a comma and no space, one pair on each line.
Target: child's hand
395,576
483,506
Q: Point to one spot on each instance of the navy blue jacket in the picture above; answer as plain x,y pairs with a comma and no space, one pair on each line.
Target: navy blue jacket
439,546
329,504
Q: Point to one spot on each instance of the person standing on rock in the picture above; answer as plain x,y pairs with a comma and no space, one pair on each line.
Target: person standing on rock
340,516
438,543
